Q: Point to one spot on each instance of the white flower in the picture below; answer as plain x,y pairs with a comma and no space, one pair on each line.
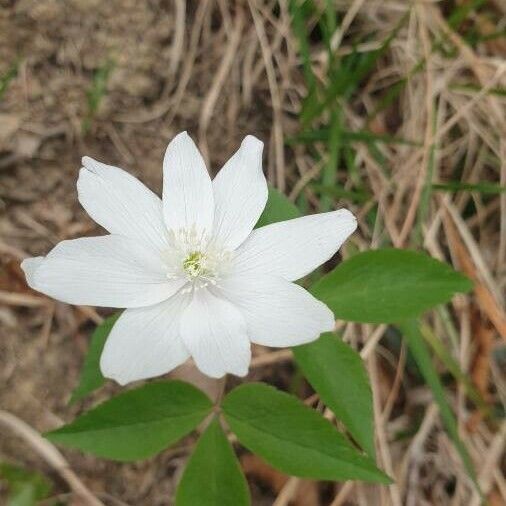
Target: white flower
195,277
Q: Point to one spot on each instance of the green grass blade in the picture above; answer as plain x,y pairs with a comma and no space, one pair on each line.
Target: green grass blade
416,343
337,192
329,172
499,91
97,92
347,80
347,136
457,186
452,365
298,10
461,12
6,79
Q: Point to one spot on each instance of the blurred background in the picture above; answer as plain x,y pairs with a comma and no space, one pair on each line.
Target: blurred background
394,109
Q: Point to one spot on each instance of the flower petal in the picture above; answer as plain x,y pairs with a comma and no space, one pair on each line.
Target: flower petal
121,204
240,194
277,313
30,266
145,342
111,271
187,190
291,249
214,332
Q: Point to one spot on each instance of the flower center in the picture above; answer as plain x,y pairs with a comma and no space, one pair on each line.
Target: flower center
196,258
194,264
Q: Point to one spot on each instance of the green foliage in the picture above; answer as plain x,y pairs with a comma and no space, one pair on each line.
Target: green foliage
363,136
278,208
383,286
26,488
213,476
474,89
294,438
461,12
338,192
139,423
388,285
97,92
299,11
328,95
334,145
453,367
91,378
377,286
337,373
457,186
6,78
349,74
411,331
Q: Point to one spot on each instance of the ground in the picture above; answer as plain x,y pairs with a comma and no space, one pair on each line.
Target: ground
117,80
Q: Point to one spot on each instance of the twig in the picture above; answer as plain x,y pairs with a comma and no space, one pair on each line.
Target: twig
343,494
287,492
50,454
272,357
22,299
275,96
218,82
379,424
176,51
493,455
474,266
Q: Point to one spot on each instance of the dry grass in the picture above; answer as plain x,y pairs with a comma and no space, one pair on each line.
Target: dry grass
115,80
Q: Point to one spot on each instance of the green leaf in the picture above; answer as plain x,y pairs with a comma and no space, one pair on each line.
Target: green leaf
213,476
278,208
91,378
26,488
139,423
411,331
328,363
337,373
293,437
388,285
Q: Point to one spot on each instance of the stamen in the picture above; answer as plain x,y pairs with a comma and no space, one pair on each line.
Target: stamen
194,264
194,257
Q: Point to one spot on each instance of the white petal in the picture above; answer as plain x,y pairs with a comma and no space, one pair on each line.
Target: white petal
145,342
111,271
277,312
187,190
29,266
291,249
214,332
240,194
121,204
